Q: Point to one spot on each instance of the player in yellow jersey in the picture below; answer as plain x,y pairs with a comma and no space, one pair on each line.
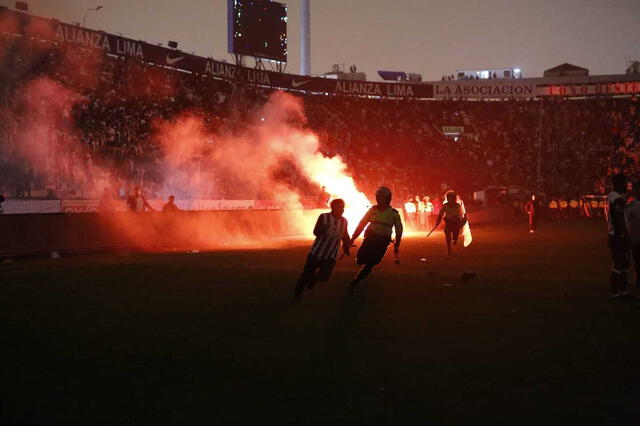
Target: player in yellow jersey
381,219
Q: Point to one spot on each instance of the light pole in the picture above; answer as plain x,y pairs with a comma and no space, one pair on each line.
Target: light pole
84,19
305,38
539,171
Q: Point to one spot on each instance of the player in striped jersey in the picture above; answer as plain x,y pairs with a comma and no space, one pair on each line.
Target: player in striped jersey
330,230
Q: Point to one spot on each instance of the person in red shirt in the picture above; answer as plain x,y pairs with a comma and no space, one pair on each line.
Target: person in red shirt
531,208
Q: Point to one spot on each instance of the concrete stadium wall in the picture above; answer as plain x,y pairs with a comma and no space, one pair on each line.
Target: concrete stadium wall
202,230
186,230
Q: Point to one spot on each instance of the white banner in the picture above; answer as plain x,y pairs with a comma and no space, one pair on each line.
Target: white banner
79,206
483,89
223,204
18,206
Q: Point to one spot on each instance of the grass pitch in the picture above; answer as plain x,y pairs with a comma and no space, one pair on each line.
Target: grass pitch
215,338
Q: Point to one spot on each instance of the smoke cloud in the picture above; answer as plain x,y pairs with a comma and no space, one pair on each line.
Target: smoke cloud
272,155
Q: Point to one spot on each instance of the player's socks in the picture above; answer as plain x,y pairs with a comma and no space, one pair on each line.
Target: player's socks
613,283
362,274
311,284
622,284
297,293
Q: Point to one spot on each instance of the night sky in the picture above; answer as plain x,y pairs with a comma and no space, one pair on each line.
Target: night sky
430,37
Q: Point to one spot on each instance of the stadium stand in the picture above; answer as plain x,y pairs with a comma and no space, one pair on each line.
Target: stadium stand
395,141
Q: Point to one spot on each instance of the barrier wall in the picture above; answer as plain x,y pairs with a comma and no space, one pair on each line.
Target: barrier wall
186,230
23,206
156,231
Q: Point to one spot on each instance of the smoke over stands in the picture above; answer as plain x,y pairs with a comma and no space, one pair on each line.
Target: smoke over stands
275,156
53,95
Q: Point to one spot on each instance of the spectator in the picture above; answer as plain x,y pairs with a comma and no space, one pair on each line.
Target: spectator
137,203
502,142
170,206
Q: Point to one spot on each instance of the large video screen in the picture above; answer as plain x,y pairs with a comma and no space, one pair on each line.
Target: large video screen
258,28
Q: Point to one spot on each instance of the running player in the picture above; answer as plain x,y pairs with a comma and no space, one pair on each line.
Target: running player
382,220
330,229
454,220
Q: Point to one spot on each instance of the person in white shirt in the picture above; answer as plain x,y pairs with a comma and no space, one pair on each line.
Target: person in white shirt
421,215
410,212
137,202
428,209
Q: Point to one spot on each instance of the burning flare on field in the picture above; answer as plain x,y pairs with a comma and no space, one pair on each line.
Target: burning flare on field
275,155
303,145
332,174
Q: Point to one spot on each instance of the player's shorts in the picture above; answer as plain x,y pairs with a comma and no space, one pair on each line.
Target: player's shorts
619,254
452,229
373,249
324,267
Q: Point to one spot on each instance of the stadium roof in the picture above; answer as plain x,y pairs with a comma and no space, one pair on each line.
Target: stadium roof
565,70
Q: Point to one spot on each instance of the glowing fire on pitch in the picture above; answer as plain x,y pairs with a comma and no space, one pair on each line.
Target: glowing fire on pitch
331,173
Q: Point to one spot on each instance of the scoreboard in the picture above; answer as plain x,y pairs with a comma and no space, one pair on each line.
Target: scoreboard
258,28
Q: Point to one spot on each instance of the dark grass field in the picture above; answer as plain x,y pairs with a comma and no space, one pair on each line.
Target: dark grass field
215,338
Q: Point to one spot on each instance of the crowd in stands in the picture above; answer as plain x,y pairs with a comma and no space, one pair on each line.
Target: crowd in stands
563,148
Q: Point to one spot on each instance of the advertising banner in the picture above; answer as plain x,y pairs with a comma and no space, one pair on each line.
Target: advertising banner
74,35
51,29
593,89
484,89
79,206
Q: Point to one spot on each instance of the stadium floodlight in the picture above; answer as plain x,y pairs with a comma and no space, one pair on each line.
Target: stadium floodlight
84,19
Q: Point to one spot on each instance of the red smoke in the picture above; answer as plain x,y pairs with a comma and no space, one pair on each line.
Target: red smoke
275,155
272,155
